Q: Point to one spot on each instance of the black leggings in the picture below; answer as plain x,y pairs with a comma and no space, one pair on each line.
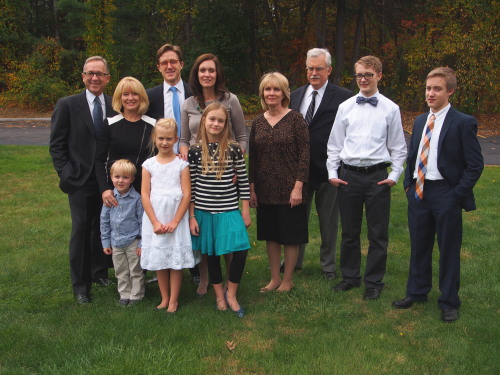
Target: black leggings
235,268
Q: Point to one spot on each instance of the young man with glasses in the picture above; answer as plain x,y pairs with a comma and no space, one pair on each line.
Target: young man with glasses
367,138
76,125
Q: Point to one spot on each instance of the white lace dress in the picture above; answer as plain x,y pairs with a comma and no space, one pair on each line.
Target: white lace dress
169,250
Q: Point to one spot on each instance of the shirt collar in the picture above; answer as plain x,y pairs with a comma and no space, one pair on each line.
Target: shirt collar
373,96
320,91
179,86
117,194
90,97
440,113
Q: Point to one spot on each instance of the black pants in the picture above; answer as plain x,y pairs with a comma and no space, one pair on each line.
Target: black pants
86,258
362,191
235,268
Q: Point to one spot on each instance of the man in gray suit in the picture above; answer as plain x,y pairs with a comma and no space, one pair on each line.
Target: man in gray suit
318,102
76,124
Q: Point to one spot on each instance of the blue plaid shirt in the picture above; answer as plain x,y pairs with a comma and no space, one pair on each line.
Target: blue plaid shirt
121,225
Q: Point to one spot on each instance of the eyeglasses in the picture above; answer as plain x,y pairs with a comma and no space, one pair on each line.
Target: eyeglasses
171,62
318,69
365,76
97,74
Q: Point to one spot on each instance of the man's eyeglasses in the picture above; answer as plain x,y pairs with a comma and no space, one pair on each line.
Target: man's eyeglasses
171,62
318,69
97,74
365,76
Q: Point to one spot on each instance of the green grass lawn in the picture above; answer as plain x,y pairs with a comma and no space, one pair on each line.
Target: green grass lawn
308,331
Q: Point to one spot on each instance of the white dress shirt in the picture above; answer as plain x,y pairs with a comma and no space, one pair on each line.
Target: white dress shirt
306,100
432,169
364,135
90,100
168,111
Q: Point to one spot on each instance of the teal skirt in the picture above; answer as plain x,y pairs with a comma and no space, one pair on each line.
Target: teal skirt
220,233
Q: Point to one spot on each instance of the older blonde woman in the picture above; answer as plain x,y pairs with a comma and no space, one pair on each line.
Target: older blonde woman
124,136
279,168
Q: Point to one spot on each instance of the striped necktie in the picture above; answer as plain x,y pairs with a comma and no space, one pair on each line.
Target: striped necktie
310,110
424,157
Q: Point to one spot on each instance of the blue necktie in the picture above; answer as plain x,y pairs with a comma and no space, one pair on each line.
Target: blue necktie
177,113
97,117
373,101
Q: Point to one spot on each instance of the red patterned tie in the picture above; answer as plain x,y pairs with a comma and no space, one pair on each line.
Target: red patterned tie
422,161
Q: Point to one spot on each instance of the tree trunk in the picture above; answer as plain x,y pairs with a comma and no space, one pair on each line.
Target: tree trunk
320,24
339,41
357,37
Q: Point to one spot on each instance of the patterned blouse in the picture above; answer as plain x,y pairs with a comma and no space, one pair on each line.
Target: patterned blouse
210,194
279,156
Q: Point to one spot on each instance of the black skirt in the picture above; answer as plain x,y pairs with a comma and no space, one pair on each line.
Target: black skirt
282,224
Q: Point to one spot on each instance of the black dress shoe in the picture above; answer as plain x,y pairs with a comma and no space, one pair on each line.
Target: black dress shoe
449,315
123,302
406,302
371,293
82,298
344,286
103,281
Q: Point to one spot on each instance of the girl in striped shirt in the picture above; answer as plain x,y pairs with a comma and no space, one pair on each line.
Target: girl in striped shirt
216,223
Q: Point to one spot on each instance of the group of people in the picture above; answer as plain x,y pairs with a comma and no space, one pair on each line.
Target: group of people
157,179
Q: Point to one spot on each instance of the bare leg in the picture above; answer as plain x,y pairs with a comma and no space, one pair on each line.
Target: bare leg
291,255
175,289
203,267
163,282
219,297
232,289
274,254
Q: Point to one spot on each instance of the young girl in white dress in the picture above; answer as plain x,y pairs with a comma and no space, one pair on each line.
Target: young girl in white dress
166,193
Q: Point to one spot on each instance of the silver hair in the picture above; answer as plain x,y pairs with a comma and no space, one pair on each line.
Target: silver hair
316,52
97,58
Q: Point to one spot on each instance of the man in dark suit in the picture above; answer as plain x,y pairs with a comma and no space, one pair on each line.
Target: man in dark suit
76,123
161,98
322,111
444,163
166,100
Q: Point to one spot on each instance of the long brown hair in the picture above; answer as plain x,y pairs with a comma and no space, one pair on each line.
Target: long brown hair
194,81
218,161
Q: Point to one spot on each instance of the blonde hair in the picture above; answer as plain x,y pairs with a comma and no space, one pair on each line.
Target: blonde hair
278,80
134,85
217,162
125,166
450,78
163,123
370,62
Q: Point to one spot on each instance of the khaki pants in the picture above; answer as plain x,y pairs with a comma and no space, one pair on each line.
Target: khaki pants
128,272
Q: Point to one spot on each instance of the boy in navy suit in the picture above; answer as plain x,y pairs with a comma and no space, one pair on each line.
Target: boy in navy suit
443,165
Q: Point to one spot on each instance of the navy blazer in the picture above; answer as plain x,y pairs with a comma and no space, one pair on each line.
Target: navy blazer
320,126
72,140
459,158
156,108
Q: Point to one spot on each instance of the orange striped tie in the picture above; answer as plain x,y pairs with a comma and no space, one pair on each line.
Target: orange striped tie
422,162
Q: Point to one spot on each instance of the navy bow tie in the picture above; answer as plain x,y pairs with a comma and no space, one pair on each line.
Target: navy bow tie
373,101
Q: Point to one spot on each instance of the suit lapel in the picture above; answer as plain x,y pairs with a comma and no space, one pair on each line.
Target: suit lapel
301,92
448,120
325,102
84,110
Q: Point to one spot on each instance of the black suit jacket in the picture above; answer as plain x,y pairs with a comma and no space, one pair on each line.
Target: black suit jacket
320,126
459,158
156,100
72,141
